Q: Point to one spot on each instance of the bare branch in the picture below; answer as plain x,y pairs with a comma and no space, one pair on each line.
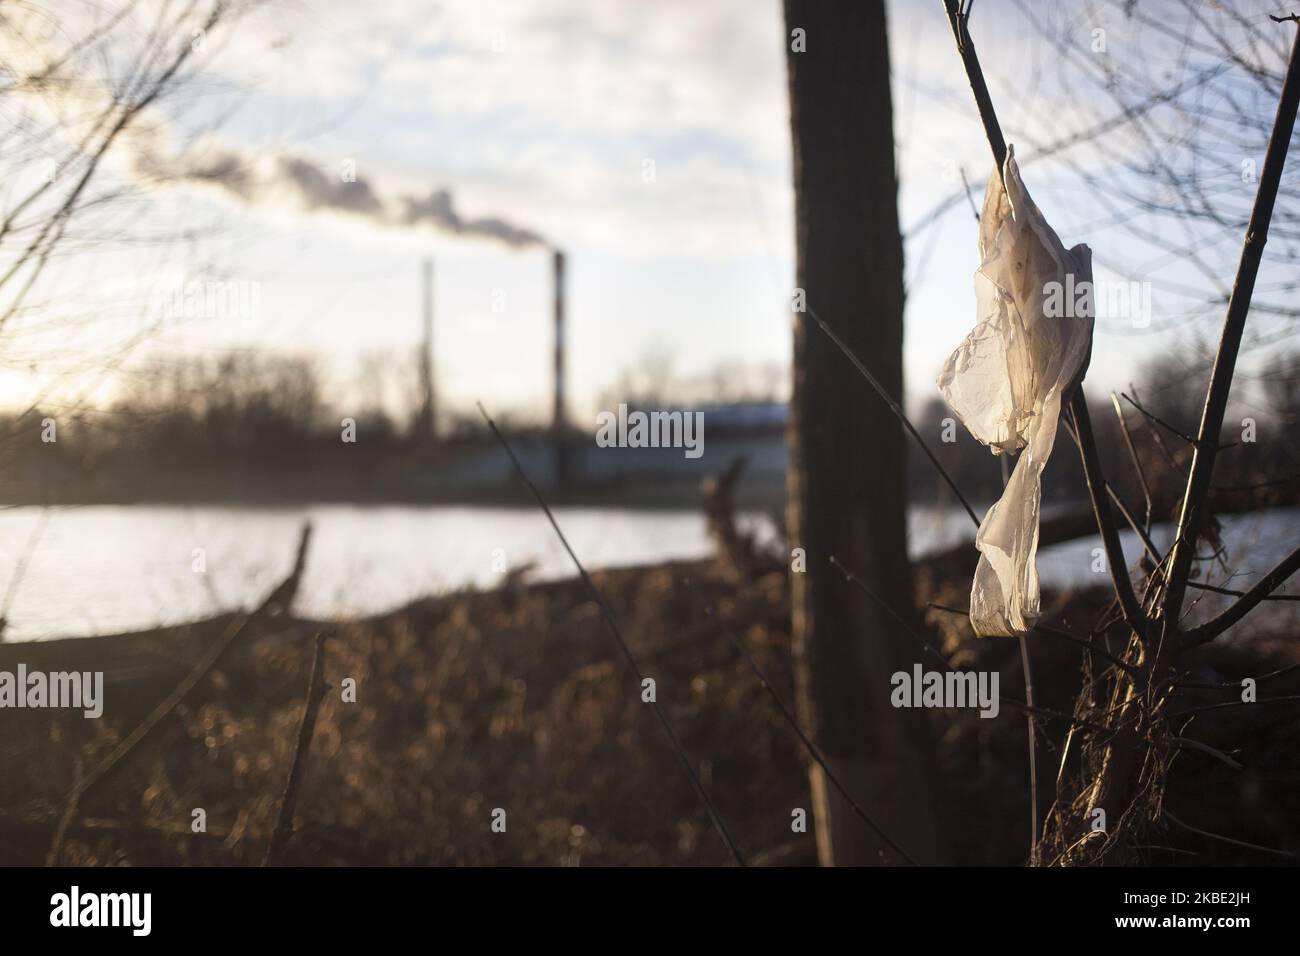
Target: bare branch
896,409
1198,483
315,694
617,632
1261,591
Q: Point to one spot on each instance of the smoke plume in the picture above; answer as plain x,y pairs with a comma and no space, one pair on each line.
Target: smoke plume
314,188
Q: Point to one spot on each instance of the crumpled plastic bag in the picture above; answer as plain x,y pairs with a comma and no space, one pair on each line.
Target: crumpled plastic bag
1007,380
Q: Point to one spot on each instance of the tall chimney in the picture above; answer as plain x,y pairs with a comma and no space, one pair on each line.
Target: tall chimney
557,412
428,425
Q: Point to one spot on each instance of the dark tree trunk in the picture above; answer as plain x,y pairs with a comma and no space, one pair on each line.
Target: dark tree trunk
846,483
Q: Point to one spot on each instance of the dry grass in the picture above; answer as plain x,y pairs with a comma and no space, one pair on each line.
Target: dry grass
517,699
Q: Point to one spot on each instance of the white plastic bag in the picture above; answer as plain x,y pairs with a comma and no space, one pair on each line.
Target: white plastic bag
1007,379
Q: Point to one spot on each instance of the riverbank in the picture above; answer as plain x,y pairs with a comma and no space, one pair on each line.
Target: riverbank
517,699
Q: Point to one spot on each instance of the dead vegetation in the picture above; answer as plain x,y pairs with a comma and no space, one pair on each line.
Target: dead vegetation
516,699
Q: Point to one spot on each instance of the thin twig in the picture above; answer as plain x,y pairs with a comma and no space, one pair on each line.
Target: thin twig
1118,566
278,599
1291,699
1188,744
1031,730
1033,752
965,187
714,813
1223,839
1137,462
1157,420
1231,592
896,409
1262,589
67,817
1020,705
315,694
1142,533
812,749
1063,635
1236,686
1195,498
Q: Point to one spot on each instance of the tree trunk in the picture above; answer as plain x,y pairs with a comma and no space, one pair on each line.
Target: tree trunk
846,480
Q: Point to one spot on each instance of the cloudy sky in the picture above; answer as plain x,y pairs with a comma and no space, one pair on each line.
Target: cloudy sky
649,141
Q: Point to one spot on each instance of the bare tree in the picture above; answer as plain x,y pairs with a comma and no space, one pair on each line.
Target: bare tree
83,87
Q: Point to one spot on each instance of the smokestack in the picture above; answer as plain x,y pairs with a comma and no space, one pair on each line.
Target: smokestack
557,412
427,424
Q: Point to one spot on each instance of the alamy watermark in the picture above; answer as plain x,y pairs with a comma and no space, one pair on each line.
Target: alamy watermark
1104,300
640,429
75,908
207,299
78,690
923,688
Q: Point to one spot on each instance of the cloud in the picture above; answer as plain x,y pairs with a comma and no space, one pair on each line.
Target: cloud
546,114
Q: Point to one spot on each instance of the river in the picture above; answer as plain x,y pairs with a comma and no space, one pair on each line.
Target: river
104,569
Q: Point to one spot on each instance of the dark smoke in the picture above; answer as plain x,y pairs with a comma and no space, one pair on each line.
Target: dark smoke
317,189
437,210
320,191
